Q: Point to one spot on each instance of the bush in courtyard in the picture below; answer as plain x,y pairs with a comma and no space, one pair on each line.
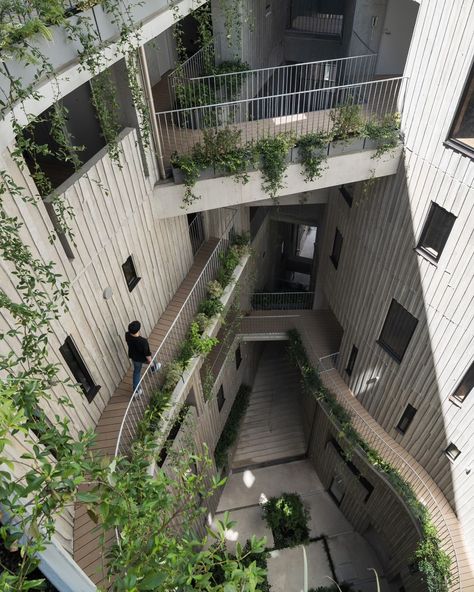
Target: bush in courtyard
342,587
288,518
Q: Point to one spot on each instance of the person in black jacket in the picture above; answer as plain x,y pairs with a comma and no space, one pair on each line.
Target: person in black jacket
139,352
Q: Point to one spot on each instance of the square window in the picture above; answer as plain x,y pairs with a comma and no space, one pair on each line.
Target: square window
406,419
452,452
347,192
352,359
465,386
238,357
220,398
397,331
436,230
461,134
130,274
79,369
336,248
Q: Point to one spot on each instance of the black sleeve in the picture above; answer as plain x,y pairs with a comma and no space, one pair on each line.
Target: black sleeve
146,347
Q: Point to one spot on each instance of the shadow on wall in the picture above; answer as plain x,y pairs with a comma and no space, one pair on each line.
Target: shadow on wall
386,310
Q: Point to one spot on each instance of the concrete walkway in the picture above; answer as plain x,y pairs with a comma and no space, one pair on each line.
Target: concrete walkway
350,553
272,428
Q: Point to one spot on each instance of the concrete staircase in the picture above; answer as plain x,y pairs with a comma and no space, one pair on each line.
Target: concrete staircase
272,430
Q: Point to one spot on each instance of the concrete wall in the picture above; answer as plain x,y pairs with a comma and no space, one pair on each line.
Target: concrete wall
160,55
396,37
301,47
367,26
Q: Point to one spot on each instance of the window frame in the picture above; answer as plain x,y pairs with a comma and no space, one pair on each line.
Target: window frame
220,397
134,280
384,343
351,361
467,92
94,388
407,415
469,373
336,253
420,248
452,452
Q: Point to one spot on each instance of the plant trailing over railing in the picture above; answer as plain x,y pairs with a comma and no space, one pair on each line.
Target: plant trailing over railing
231,429
346,122
431,560
385,133
274,157
313,150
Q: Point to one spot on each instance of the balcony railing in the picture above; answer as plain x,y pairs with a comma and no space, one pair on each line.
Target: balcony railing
282,300
327,25
169,347
300,113
266,82
196,232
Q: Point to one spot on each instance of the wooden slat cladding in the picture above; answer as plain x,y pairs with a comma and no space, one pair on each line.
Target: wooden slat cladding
379,262
113,219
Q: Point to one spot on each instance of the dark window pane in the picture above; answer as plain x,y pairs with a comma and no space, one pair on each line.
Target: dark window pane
397,331
436,231
352,359
406,419
220,398
336,248
78,368
466,385
130,274
238,357
452,451
347,192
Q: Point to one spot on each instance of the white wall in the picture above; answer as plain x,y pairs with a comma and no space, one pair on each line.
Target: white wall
396,36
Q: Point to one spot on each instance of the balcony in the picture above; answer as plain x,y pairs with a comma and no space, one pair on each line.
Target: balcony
291,101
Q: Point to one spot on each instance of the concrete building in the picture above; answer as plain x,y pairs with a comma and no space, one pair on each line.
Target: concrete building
372,259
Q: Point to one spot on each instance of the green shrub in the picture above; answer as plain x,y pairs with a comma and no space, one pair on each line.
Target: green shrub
173,373
228,262
261,560
231,429
313,151
288,519
343,587
385,132
214,289
273,153
346,121
211,307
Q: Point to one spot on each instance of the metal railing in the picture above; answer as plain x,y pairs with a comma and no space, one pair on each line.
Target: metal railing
170,345
197,65
299,113
387,449
282,300
196,232
277,80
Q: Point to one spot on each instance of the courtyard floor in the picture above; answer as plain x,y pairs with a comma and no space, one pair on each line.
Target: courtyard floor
350,553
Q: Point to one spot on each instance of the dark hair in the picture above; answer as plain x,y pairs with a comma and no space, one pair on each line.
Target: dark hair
134,327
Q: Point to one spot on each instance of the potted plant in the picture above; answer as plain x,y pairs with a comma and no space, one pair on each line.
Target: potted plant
346,130
311,152
222,147
288,518
382,135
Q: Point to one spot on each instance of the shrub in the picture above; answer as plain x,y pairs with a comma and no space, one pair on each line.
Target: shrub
273,154
229,261
313,151
214,289
343,587
346,121
211,307
173,373
203,321
385,132
232,425
288,519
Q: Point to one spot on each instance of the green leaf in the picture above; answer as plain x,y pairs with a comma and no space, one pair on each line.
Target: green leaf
153,581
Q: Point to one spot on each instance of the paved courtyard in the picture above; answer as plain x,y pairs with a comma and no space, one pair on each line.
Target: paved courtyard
350,553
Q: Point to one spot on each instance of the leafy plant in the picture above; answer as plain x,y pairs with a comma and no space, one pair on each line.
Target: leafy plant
313,151
342,587
385,132
173,374
273,154
231,428
211,307
346,121
229,261
203,321
214,289
288,519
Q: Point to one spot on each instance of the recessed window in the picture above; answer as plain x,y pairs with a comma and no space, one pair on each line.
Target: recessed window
452,452
79,369
406,419
461,135
465,386
347,192
352,359
336,248
238,358
220,398
436,230
130,274
367,486
397,331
